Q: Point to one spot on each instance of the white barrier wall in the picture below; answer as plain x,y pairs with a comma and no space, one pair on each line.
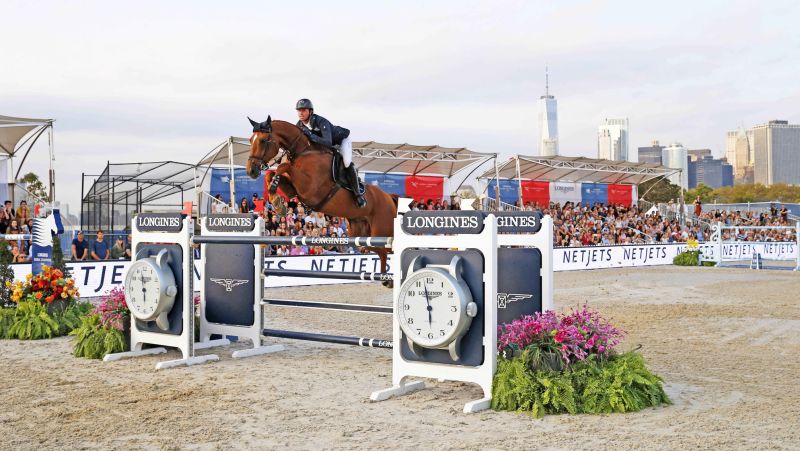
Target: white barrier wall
95,278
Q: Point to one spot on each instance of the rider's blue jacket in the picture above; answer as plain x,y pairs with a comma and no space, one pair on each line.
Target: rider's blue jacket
323,132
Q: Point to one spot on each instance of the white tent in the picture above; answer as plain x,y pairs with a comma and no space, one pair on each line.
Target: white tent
17,137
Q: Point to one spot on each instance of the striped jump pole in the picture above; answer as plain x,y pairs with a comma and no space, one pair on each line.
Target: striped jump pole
383,310
364,276
324,338
358,241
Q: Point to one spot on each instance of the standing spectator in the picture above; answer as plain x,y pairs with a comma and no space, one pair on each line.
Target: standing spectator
23,212
100,248
698,207
784,214
80,248
253,202
258,205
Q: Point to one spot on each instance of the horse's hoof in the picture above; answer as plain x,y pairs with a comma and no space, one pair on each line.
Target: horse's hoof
388,283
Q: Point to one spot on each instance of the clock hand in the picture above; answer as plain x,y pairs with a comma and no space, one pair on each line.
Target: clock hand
427,299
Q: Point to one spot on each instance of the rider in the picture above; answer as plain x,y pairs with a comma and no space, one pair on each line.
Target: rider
319,130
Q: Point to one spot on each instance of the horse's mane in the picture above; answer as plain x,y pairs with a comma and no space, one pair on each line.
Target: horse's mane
278,121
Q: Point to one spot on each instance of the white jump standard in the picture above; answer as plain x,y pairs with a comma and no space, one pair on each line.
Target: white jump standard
445,314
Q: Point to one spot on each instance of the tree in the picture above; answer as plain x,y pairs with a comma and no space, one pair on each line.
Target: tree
659,190
705,192
35,186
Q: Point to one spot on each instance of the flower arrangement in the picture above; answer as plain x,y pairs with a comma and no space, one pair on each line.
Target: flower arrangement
575,336
49,286
43,306
103,330
113,310
554,363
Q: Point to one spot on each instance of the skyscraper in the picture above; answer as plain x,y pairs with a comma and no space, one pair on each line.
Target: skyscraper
548,121
710,172
651,154
776,147
739,153
676,156
612,139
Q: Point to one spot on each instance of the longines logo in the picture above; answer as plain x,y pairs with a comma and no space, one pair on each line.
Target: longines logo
229,284
504,298
565,189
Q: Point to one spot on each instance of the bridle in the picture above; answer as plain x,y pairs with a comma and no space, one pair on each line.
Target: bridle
290,152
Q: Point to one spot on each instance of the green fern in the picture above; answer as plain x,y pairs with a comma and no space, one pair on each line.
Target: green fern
616,384
94,341
70,317
31,322
6,320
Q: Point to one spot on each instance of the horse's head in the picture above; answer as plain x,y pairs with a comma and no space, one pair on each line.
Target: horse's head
264,146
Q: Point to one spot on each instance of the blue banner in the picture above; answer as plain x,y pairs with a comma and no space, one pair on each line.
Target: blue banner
593,193
509,191
391,183
244,185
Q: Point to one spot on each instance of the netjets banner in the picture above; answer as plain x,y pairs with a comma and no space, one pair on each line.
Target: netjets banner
95,278
768,250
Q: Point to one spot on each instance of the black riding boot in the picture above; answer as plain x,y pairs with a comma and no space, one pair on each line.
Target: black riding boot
356,186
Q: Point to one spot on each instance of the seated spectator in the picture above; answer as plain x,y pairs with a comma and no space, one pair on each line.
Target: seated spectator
4,220
100,249
219,206
23,212
80,248
128,247
244,206
18,256
118,249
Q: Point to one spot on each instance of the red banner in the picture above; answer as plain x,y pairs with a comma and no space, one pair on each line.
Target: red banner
536,193
620,194
422,187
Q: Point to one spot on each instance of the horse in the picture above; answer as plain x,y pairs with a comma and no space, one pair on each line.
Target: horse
307,173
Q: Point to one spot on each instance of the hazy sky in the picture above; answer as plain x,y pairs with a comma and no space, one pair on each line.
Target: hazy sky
147,81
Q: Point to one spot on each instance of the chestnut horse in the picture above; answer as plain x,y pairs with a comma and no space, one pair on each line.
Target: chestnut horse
306,173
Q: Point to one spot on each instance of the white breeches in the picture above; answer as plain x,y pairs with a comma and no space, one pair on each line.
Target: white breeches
346,150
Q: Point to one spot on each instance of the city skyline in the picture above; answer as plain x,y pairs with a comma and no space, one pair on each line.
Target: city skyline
456,74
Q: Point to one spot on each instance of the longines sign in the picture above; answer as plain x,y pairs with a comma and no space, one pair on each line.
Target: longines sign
159,222
230,223
469,222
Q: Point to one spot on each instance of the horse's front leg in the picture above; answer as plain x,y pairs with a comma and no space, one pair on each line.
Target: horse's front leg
280,179
280,172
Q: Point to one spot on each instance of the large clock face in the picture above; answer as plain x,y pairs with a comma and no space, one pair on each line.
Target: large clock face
430,308
142,290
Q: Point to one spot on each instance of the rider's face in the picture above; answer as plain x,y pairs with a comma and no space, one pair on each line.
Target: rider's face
304,114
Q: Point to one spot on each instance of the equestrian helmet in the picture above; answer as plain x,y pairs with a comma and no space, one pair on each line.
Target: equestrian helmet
304,103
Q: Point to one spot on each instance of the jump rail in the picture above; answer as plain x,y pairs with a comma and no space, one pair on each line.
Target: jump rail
374,276
329,306
378,241
336,339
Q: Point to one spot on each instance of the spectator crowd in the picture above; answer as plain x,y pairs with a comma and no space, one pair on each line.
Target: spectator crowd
574,225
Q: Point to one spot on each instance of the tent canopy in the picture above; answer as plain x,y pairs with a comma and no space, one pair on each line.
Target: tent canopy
578,169
371,156
13,129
